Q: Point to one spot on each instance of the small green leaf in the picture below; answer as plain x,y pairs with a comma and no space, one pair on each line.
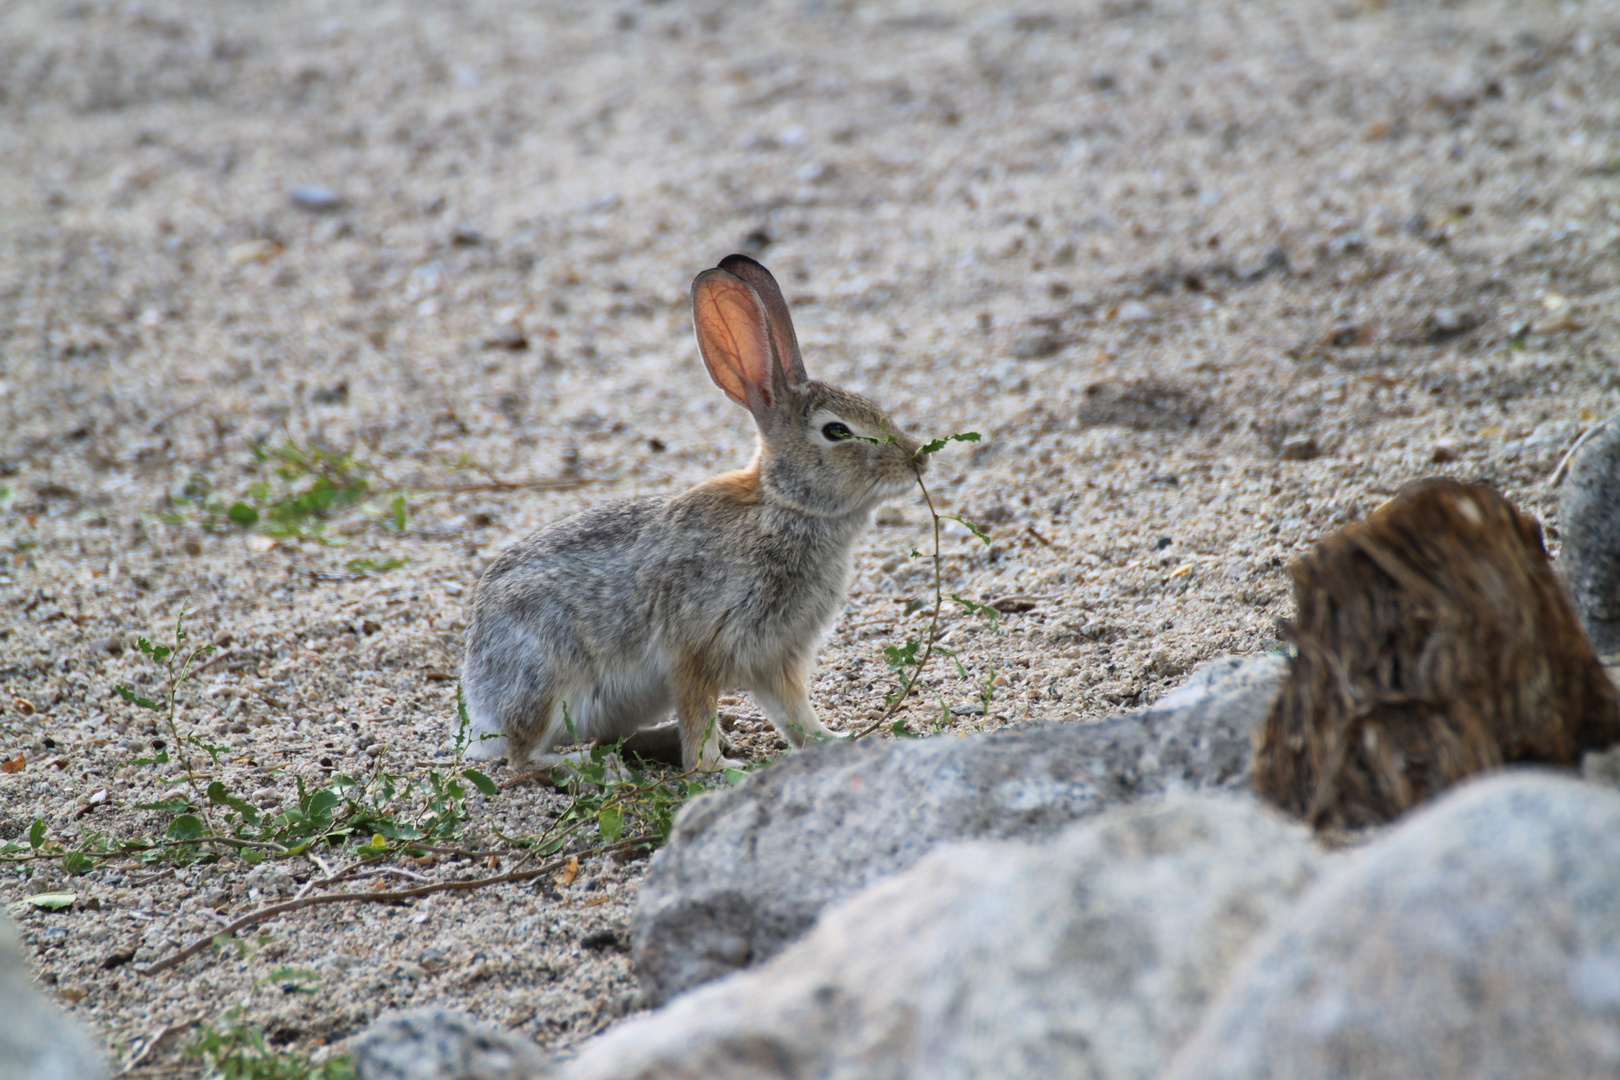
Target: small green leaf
899,730
398,507
77,862
170,806
36,834
934,446
52,901
219,796
902,656
187,827
135,699
735,776
611,819
973,607
243,514
156,652
982,534
478,780
371,566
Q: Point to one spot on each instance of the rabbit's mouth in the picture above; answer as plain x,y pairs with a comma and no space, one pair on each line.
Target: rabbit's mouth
891,486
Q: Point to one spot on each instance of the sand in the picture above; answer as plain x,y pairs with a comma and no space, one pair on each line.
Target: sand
1208,279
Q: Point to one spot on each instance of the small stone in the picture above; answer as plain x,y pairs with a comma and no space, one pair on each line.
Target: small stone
112,644
191,547
252,251
818,172
315,199
1443,452
1447,321
1037,345
510,338
967,708
1132,311
1299,448
376,750
1560,315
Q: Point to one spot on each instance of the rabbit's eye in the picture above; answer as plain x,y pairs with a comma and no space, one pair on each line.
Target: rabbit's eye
835,431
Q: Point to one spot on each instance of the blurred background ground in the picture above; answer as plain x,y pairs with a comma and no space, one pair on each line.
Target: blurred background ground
1209,279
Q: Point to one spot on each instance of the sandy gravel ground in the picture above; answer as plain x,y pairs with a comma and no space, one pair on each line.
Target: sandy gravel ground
1209,278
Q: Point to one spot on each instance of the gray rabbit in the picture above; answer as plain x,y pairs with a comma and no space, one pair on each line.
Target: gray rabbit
623,610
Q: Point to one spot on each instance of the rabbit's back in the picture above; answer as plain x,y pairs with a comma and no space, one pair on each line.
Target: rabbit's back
571,586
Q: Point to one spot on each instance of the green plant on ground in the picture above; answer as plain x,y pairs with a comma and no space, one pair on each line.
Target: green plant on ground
235,1049
908,661
306,487
207,821
238,1050
631,808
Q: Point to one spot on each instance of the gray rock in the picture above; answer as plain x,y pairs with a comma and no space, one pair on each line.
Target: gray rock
1589,525
315,199
749,869
36,1040
1480,938
1092,956
1299,448
436,1044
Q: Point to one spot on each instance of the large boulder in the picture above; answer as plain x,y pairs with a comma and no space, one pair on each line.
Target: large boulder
1092,955
1589,526
749,869
438,1044
36,1040
1480,939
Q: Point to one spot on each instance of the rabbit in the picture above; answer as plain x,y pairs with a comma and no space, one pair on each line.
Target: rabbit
623,610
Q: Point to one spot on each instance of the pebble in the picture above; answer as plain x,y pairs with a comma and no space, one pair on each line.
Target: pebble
112,644
252,251
1037,346
1448,320
315,199
1133,311
1299,448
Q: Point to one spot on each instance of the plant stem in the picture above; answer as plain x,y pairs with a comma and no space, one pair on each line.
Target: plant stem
932,633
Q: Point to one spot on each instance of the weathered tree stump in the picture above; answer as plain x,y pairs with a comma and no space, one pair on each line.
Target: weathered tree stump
1433,642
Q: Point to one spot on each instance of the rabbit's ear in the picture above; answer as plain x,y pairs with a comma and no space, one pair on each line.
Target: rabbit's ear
776,311
735,339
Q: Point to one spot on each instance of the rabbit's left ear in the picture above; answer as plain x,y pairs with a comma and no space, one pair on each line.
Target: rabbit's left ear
734,335
776,312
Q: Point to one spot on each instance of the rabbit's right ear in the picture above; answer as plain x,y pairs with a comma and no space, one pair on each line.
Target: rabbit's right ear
776,312
734,336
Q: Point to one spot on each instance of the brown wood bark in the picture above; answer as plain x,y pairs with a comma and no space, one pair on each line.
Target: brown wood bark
1433,642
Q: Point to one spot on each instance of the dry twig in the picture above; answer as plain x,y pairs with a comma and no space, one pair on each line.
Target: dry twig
253,918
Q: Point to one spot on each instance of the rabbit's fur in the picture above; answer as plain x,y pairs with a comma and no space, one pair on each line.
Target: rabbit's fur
628,608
